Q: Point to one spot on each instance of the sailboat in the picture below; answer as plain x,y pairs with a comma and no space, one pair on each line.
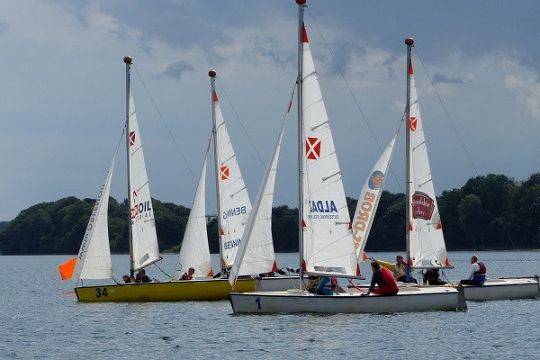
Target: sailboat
94,259
325,232
233,208
425,242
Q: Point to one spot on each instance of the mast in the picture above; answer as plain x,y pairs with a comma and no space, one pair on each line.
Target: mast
212,74
128,61
301,5
409,42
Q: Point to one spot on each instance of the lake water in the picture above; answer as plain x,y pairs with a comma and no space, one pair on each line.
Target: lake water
38,319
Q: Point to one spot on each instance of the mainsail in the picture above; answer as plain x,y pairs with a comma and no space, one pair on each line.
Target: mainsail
145,249
327,237
234,204
195,252
256,252
94,258
368,201
426,240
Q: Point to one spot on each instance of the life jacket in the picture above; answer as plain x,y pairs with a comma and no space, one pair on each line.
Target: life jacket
389,285
482,270
333,282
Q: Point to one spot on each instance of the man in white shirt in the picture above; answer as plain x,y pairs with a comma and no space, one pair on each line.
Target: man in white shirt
477,273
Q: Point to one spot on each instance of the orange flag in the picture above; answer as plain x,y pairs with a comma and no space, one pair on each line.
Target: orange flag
66,269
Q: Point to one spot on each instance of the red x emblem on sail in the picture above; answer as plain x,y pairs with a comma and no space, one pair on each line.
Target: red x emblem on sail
412,123
224,172
313,148
131,138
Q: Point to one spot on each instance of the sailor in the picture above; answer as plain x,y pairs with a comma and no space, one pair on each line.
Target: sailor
432,277
189,274
128,279
384,279
477,273
142,277
327,285
402,271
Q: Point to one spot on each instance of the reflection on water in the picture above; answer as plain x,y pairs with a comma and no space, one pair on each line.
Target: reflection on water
39,317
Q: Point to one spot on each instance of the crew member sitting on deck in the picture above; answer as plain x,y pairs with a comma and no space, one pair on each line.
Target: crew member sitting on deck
189,274
402,271
128,279
477,273
327,285
384,279
432,277
142,277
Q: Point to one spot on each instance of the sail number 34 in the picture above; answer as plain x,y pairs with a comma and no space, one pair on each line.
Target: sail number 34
101,292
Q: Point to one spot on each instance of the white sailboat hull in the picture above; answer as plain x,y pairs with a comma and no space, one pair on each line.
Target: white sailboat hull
278,283
301,301
504,289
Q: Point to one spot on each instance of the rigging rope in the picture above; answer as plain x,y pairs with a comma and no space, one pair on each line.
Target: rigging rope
160,115
347,85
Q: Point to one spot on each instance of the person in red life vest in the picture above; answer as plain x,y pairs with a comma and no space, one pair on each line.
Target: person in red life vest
384,279
477,273
189,274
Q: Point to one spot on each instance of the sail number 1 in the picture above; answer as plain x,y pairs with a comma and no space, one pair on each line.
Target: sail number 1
101,292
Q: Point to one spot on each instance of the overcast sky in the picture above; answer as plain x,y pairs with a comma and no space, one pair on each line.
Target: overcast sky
62,89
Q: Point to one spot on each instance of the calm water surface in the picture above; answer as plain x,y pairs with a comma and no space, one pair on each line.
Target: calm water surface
39,319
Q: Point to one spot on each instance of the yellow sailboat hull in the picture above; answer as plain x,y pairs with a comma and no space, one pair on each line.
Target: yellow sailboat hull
192,290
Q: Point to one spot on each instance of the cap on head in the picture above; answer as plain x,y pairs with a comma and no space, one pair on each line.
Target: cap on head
300,2
212,73
409,41
128,60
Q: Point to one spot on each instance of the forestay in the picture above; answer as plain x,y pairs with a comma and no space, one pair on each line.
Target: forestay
234,201
94,258
328,245
426,245
256,252
143,225
368,201
195,252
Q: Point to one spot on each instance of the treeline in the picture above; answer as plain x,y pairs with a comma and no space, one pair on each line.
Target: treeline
488,212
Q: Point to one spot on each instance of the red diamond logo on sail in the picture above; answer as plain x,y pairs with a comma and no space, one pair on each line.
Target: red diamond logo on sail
224,172
412,123
131,138
313,148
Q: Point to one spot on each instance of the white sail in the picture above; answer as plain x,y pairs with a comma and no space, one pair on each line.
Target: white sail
256,252
368,201
234,201
94,258
328,245
143,226
426,244
195,252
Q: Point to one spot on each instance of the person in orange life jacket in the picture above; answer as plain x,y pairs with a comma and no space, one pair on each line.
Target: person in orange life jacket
189,274
477,273
384,279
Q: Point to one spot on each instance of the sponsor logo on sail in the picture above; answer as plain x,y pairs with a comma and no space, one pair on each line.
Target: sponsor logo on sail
313,148
224,172
141,208
230,244
323,209
422,206
234,212
132,138
362,218
413,122
376,180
